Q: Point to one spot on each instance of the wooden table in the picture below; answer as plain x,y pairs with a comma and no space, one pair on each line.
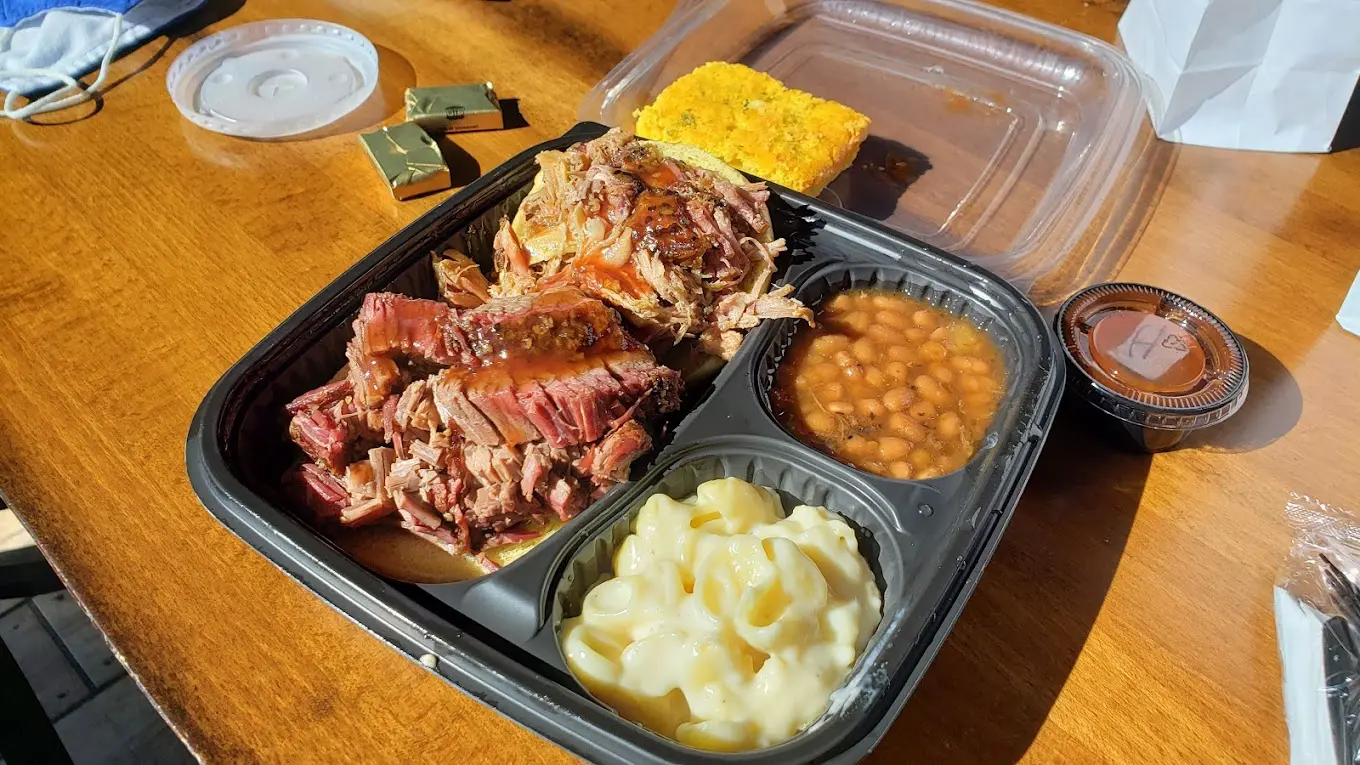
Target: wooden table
1125,618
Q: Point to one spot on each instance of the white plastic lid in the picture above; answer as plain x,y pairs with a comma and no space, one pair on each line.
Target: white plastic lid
275,78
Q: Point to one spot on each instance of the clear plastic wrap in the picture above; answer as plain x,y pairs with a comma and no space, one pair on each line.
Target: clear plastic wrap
1317,620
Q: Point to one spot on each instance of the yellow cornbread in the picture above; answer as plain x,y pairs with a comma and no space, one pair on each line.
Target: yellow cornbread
750,120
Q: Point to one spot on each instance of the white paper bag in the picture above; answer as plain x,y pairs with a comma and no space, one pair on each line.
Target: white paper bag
1271,75
1349,315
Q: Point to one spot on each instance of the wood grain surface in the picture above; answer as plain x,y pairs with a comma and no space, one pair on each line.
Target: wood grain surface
1125,618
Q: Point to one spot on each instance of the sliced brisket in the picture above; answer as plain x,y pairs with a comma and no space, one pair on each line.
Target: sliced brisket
531,416
321,492
565,497
539,461
492,464
450,399
657,387
499,506
324,396
547,324
500,406
552,423
609,460
371,377
390,323
326,440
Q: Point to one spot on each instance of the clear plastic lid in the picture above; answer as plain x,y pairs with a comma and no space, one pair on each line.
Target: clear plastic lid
993,136
275,78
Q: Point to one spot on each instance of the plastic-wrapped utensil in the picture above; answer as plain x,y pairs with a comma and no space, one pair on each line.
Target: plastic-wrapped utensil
1317,621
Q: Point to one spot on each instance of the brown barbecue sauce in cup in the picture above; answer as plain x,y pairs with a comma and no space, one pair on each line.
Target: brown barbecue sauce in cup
1155,365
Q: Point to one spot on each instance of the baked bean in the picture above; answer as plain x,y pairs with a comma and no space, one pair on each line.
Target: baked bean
890,385
828,344
902,353
891,319
921,411
933,351
931,390
948,425
859,446
840,303
820,423
906,427
858,321
882,333
864,351
891,448
868,407
921,458
942,373
898,399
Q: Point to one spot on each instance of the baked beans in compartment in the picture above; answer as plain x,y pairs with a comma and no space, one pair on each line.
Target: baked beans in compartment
890,384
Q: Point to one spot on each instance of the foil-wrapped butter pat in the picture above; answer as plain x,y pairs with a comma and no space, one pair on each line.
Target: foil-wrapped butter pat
455,108
408,159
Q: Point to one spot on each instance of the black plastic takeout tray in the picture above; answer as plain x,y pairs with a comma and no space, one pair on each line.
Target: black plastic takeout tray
496,637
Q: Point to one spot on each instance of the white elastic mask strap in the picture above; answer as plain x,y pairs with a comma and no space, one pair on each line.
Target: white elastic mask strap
69,94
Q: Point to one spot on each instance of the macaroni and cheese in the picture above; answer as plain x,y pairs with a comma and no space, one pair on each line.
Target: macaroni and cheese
726,627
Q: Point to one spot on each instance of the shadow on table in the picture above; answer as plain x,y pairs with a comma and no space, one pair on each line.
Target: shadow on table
395,75
998,674
1273,407
877,178
463,167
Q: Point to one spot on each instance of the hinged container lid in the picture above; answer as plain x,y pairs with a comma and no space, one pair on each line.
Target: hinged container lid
993,136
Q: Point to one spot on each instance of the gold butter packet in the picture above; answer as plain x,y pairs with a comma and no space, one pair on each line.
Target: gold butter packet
408,159
455,108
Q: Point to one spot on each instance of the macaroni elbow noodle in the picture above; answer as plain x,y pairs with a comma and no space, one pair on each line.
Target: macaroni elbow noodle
726,627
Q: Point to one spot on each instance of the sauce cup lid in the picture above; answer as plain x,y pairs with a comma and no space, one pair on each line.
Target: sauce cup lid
1150,357
273,78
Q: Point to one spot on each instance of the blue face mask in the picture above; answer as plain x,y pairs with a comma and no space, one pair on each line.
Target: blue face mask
49,43
14,11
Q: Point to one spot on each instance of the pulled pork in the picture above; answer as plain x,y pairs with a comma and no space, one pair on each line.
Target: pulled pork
681,251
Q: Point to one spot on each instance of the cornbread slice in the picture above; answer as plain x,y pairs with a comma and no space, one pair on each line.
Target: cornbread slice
750,120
